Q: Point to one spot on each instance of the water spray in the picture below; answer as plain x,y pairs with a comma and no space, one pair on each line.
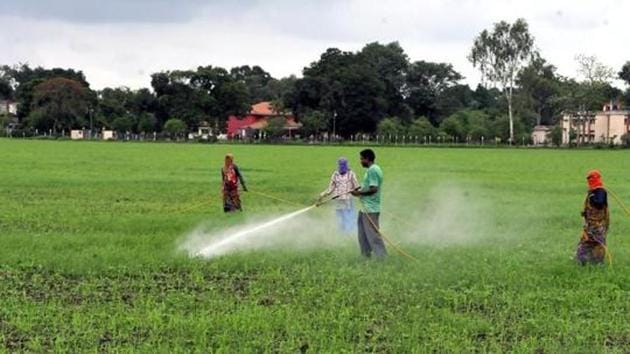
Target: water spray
218,246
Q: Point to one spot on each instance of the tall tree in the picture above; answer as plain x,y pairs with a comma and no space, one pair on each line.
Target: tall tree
59,104
390,63
425,84
592,70
257,82
354,90
624,74
539,86
6,89
25,79
500,55
205,94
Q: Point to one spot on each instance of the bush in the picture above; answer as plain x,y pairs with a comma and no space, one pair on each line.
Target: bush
123,124
175,128
421,128
275,128
625,140
391,127
556,135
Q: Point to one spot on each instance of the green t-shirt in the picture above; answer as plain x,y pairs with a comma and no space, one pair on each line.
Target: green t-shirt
373,178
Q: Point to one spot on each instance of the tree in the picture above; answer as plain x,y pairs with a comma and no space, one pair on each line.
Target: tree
123,124
275,127
421,127
282,89
24,79
592,70
556,135
540,89
500,55
59,104
425,84
358,89
6,90
391,127
390,64
257,82
624,74
205,94
454,127
175,127
146,123
314,122
113,103
478,124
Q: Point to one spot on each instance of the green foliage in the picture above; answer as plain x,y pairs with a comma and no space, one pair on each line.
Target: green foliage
427,84
27,78
421,127
360,88
275,127
59,104
175,127
205,94
314,122
391,127
556,135
4,120
500,55
624,74
123,124
147,123
454,127
540,90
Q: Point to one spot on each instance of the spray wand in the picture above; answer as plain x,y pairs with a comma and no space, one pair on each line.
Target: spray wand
322,202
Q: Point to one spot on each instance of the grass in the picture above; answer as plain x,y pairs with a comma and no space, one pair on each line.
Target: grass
89,261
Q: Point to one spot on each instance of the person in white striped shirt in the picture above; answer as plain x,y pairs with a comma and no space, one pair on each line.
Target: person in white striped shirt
342,182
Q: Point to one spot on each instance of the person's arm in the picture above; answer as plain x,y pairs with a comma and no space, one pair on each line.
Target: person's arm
372,189
355,183
240,178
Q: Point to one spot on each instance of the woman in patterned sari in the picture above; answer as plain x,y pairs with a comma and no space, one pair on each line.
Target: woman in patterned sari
231,177
592,247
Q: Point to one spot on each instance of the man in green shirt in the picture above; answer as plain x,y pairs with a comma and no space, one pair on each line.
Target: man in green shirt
369,193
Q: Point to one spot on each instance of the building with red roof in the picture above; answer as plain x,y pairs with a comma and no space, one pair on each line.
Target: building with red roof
257,120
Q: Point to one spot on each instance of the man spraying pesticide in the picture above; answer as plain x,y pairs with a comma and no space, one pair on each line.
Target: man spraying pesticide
369,194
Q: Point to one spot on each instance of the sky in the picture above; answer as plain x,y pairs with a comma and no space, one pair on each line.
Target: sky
121,42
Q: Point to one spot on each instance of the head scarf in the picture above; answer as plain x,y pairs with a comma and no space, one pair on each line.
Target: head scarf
342,165
594,179
229,161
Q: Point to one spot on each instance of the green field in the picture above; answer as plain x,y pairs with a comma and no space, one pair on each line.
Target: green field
90,260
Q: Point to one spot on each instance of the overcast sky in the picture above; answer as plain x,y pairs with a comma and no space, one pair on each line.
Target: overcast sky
121,42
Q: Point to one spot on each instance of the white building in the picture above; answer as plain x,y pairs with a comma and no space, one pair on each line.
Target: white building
109,135
7,106
79,134
540,135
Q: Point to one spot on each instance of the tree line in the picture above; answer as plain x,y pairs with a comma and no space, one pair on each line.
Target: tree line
375,90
